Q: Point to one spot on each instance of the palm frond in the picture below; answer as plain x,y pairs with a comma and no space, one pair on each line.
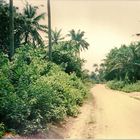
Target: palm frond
39,17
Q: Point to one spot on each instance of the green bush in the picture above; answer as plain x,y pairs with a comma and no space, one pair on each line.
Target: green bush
5,83
62,55
123,86
13,110
2,129
34,92
116,85
134,87
44,98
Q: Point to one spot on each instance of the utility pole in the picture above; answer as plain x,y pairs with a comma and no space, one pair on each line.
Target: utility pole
11,13
49,29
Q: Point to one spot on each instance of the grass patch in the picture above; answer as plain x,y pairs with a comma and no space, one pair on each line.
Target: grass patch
135,87
125,87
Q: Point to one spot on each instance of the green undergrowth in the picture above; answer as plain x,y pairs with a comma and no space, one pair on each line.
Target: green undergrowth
35,92
123,86
2,129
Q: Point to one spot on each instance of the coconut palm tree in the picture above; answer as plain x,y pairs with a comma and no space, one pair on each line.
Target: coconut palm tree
31,26
11,49
78,41
56,36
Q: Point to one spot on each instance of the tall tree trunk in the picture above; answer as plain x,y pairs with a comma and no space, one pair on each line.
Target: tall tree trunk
26,38
11,49
49,29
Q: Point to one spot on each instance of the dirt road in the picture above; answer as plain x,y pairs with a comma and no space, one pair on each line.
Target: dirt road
116,115
113,115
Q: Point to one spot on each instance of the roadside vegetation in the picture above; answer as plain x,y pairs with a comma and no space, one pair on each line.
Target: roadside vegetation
121,68
125,87
35,91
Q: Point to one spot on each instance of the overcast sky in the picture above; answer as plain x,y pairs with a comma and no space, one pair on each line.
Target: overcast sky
107,24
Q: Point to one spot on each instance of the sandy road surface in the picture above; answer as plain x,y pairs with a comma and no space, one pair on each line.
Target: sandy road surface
112,116
116,115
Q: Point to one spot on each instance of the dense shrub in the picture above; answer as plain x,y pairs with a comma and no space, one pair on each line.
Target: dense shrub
2,129
13,110
123,86
70,89
134,87
116,85
34,92
62,55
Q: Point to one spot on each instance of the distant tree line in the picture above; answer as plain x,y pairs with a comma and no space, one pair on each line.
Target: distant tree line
121,64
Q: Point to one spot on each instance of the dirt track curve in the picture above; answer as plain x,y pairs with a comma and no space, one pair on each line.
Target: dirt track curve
113,115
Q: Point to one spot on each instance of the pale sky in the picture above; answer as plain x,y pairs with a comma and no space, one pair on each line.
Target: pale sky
107,23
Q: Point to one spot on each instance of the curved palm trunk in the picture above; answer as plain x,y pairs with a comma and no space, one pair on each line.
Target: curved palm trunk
49,29
11,49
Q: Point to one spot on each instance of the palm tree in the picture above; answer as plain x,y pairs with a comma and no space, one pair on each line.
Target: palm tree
49,29
78,41
31,25
11,49
56,36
